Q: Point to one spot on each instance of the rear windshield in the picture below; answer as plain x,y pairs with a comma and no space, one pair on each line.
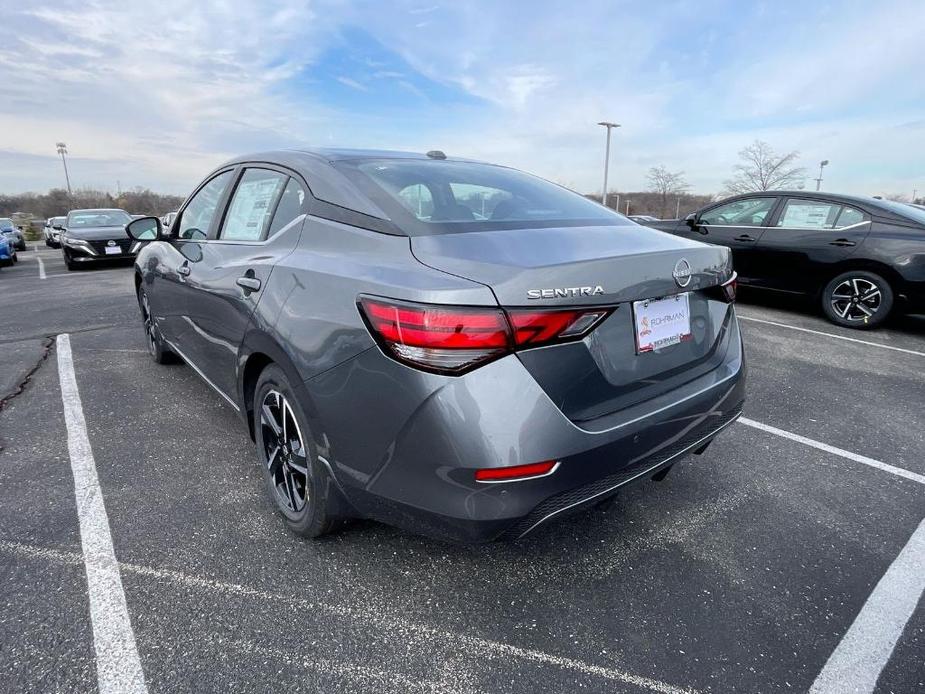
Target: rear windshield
97,218
916,214
6,224
445,197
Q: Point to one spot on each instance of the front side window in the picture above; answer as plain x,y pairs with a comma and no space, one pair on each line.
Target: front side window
439,196
481,201
418,199
750,212
809,214
252,205
198,215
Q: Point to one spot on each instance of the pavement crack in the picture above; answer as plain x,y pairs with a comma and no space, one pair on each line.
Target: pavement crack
20,385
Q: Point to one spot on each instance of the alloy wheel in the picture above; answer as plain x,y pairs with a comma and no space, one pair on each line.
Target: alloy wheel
149,324
856,299
284,451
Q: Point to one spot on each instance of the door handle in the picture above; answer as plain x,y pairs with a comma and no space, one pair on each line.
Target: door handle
842,242
248,284
744,237
183,270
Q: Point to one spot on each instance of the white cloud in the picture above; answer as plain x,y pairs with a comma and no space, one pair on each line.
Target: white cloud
157,93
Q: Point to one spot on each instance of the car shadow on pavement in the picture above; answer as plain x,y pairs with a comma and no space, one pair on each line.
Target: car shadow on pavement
902,322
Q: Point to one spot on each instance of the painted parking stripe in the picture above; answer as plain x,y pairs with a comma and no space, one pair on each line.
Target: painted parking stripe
41,268
369,618
861,655
118,667
832,335
886,467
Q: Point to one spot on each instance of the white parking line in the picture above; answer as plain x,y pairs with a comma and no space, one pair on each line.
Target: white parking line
41,268
861,655
892,469
118,667
370,617
833,335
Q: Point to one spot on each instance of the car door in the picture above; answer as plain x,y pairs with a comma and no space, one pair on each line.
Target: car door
171,294
739,225
805,239
261,225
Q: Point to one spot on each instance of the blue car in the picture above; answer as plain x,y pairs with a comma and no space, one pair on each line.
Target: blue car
7,254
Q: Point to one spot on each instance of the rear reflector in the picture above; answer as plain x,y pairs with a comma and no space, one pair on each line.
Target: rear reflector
517,472
449,339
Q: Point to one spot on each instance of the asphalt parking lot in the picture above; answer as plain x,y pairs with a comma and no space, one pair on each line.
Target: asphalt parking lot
764,565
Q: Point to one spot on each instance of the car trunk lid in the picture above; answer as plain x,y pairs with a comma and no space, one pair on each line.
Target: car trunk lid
612,266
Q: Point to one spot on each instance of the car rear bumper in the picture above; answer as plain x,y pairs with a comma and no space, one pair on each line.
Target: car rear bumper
404,446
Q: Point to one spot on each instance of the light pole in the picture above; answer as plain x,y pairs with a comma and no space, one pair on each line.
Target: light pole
823,163
609,126
62,150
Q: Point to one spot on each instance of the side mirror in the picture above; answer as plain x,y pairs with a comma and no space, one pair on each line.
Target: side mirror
144,229
691,221
58,227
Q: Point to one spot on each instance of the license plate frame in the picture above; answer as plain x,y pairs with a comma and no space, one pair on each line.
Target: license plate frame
112,250
672,316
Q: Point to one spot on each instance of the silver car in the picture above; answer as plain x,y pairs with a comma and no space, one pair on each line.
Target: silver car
452,347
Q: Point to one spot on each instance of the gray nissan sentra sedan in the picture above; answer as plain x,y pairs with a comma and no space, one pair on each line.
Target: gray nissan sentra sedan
448,346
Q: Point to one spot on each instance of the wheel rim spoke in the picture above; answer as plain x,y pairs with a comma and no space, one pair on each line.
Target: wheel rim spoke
286,454
856,299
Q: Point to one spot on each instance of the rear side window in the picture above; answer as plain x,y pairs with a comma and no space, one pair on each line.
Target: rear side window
809,214
252,205
197,216
439,196
290,207
849,216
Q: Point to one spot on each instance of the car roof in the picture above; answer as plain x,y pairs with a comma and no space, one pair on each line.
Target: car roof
98,210
326,182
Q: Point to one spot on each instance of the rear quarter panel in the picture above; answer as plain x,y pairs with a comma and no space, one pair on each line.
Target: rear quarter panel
309,306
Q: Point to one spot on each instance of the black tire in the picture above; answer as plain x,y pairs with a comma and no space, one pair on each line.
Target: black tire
157,348
857,299
69,264
294,475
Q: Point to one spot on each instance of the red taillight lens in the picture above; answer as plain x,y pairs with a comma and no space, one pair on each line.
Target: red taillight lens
538,327
450,339
516,472
438,338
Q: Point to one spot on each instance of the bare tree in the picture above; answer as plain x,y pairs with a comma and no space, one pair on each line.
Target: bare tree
762,168
897,197
666,183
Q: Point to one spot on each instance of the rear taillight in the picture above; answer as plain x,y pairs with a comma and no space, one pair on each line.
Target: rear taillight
448,339
725,291
729,287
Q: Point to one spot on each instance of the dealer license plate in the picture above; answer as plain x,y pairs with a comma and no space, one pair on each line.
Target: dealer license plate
112,250
662,322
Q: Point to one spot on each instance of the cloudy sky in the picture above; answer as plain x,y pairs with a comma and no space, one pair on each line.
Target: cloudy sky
156,93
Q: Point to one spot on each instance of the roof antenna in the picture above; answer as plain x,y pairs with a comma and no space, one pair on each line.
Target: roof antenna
436,154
